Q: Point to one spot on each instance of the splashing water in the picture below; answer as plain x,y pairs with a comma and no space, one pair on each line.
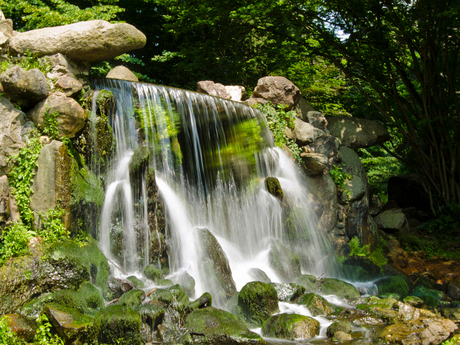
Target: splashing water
210,158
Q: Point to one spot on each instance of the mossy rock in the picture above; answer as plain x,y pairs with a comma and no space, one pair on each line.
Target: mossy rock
257,302
205,300
429,296
309,282
118,324
414,301
186,281
152,273
151,313
259,275
136,282
317,305
291,326
164,282
394,284
23,327
288,292
284,262
98,265
213,326
139,161
72,326
132,299
163,295
339,326
339,288
273,186
360,268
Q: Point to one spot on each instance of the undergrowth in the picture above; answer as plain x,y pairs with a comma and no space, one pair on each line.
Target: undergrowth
377,256
27,62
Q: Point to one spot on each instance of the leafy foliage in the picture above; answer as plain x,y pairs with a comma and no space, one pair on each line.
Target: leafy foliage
278,119
27,62
446,224
377,255
15,241
50,125
340,177
44,335
7,336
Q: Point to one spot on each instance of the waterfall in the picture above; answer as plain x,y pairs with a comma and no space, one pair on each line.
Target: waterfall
210,158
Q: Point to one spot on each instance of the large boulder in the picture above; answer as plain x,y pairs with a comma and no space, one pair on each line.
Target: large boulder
70,118
291,327
6,30
317,305
94,40
303,133
393,221
340,288
24,87
120,324
51,182
257,301
314,163
215,268
215,327
356,133
208,87
277,90
122,73
12,122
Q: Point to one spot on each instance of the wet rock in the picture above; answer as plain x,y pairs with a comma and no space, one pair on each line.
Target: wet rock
284,262
356,133
152,315
288,292
451,313
215,327
422,331
12,122
71,116
186,281
24,328
277,90
151,272
414,301
208,87
341,336
453,290
24,87
331,286
118,324
429,296
136,282
339,326
273,186
259,275
71,325
257,302
205,300
396,284
122,73
317,305
309,282
95,40
216,269
291,327
163,295
132,299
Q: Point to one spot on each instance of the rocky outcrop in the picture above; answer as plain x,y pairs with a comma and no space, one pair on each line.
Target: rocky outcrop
257,302
277,90
123,73
24,87
303,133
208,87
355,133
92,41
70,116
291,327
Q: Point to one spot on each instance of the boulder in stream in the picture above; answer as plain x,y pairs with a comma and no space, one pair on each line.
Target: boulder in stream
317,305
257,302
118,324
291,327
284,262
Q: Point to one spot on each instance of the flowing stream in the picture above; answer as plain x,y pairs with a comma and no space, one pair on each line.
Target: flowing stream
211,157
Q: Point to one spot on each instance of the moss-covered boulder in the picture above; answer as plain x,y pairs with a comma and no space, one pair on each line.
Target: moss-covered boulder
213,326
394,284
288,292
152,314
429,296
317,305
291,326
49,269
136,282
186,281
132,299
273,186
339,326
309,282
259,275
151,272
72,326
120,324
257,302
205,300
284,262
331,286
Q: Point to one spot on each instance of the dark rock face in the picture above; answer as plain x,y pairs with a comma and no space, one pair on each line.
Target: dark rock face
257,302
24,87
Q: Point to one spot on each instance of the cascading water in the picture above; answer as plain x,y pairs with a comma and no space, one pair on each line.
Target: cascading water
210,158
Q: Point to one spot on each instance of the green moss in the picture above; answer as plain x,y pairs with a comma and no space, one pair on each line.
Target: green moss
395,284
257,302
118,324
317,305
331,286
139,160
291,326
136,282
132,299
339,326
220,327
163,295
151,272
273,186
98,264
429,296
309,282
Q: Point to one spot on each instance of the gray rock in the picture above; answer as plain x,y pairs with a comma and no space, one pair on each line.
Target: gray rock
208,87
6,30
69,85
63,65
277,90
356,133
12,122
302,109
357,186
288,292
24,87
123,73
317,119
4,199
51,182
259,275
392,220
303,133
314,163
71,116
284,262
95,40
